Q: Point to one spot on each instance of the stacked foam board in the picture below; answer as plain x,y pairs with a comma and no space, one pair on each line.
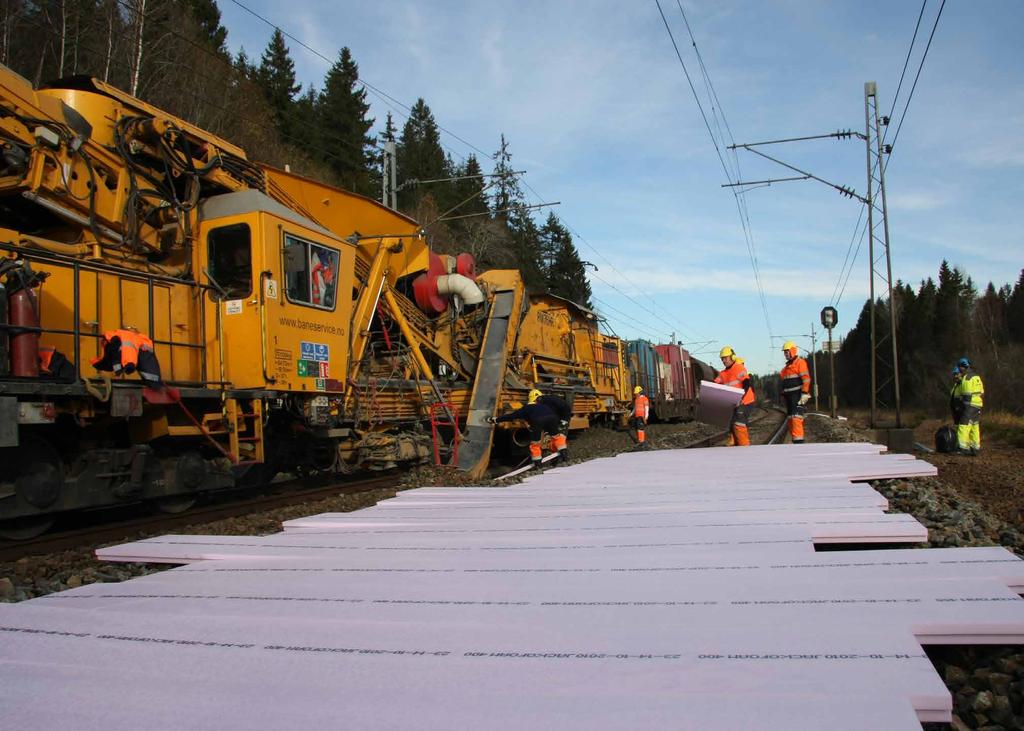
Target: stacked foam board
663,589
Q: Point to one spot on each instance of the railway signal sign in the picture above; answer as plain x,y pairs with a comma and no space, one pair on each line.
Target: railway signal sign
829,317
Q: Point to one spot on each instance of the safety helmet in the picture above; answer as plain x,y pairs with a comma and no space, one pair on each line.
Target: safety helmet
727,352
963,363
533,396
788,346
638,389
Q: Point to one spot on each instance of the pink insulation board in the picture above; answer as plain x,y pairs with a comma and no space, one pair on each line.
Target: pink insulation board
717,403
581,598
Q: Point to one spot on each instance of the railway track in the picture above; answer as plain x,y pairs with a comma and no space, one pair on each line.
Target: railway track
121,530
714,439
127,529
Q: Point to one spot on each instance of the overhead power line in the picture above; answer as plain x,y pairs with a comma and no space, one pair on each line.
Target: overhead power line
741,205
924,56
844,273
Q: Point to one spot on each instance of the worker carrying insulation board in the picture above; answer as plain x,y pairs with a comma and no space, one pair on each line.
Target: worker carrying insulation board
542,419
735,375
970,392
796,389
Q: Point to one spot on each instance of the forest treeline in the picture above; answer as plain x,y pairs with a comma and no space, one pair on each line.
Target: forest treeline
174,55
937,323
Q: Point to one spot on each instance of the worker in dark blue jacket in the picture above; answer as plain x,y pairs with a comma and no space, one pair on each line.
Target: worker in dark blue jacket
542,419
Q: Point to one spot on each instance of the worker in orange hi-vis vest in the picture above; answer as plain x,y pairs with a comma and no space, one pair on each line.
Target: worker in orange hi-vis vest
641,412
796,389
735,375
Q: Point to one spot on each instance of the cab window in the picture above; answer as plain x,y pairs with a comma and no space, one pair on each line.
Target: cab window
229,252
311,273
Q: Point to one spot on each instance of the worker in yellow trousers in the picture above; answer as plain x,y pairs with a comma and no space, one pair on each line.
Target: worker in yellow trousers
796,389
971,393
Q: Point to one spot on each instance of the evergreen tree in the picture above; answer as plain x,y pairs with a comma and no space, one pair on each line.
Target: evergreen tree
207,15
421,157
276,76
990,321
343,126
952,307
526,247
1015,311
304,111
566,274
506,186
470,188
243,65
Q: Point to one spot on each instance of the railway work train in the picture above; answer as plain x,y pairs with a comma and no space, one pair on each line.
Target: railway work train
176,318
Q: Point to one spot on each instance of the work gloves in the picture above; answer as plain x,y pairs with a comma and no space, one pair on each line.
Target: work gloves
563,426
491,420
804,398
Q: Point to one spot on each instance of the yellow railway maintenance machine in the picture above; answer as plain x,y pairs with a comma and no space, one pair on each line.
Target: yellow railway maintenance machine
261,295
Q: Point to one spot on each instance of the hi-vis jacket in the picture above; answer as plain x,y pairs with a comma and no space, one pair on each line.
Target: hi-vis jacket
796,376
641,407
736,376
970,390
126,351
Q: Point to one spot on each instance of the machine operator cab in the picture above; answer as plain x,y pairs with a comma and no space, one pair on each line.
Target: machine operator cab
281,290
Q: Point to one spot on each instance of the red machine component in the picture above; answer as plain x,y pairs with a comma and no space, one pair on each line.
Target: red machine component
465,265
23,312
444,415
424,287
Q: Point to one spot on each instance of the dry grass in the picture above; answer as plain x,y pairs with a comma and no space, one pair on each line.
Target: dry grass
1002,426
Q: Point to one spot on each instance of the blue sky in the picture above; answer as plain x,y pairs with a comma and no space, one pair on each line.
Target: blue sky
596,108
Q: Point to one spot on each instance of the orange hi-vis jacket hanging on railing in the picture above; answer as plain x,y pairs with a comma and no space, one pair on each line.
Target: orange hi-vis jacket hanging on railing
126,351
734,376
796,376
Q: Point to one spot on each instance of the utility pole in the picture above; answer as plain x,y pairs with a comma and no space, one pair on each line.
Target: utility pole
833,401
876,152
814,360
878,218
389,194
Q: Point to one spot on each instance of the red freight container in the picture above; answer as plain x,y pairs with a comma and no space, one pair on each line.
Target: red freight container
679,388
679,379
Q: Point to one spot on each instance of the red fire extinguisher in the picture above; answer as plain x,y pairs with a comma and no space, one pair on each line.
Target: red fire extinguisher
23,317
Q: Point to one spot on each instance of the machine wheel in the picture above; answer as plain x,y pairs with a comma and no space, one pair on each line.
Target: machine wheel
23,529
175,503
40,473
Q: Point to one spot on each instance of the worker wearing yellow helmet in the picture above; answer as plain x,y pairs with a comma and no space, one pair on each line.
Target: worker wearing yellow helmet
735,375
541,419
796,389
641,412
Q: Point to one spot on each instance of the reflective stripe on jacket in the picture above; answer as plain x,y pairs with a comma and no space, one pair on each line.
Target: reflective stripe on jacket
121,354
734,376
970,390
796,376
641,407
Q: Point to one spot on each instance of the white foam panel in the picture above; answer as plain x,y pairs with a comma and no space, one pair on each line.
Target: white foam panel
671,588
